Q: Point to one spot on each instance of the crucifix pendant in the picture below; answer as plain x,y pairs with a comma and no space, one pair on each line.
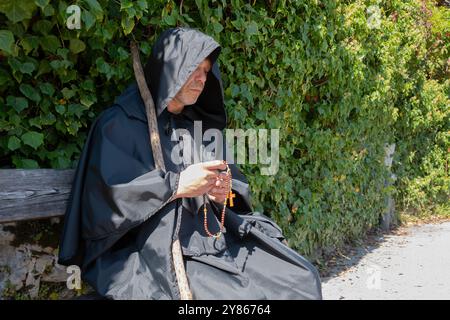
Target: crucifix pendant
230,197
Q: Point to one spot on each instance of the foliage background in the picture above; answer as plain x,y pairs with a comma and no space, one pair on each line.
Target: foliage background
337,88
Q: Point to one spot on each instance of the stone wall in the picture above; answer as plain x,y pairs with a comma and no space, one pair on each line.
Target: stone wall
28,261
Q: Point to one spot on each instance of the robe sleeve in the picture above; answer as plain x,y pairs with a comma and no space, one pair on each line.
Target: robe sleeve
113,189
121,191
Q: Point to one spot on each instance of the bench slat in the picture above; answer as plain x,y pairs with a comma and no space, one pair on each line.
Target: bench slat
27,194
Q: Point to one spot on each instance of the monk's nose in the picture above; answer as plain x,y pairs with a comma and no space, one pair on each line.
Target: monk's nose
202,77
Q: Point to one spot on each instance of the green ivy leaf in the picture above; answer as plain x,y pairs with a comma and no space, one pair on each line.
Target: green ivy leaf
88,19
63,162
43,27
170,20
108,30
68,93
122,54
33,139
217,27
13,143
27,68
127,25
30,92
252,29
125,4
61,109
87,100
104,67
63,52
17,10
29,43
44,67
27,164
145,48
4,77
43,120
143,5
35,122
15,120
47,88
48,11
77,46
88,85
15,64
96,8
261,115
234,90
41,3
48,119
6,41
50,43
73,127
76,109
18,103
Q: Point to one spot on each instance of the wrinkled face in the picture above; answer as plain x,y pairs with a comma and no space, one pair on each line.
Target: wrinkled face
192,89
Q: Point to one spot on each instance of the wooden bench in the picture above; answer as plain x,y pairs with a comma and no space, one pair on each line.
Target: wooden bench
27,194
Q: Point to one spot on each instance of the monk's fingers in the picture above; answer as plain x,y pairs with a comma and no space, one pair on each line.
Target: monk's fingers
208,184
215,165
218,191
223,179
212,173
224,175
214,191
221,184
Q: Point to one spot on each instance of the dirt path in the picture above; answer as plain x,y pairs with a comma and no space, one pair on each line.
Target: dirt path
414,264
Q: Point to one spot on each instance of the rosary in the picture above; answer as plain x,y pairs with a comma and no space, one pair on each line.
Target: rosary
230,195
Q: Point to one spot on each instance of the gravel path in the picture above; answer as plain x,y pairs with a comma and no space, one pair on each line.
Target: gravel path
412,265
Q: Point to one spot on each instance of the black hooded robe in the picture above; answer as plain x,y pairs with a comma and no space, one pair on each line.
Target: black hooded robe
121,220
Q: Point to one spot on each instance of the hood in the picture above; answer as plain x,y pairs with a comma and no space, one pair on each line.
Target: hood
175,55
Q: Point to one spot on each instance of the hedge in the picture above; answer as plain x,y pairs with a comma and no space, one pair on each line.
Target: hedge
339,78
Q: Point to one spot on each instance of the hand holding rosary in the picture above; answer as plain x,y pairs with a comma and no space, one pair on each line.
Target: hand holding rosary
230,196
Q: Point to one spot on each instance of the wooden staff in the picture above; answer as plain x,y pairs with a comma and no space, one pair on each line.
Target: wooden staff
155,142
